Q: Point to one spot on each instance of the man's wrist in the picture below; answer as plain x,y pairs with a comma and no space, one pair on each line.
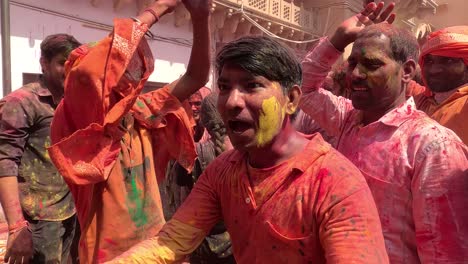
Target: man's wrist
338,41
14,228
159,9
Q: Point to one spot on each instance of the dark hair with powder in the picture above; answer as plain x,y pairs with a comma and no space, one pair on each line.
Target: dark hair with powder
262,56
56,44
403,43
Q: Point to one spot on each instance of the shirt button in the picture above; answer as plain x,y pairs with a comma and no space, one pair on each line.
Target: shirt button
247,200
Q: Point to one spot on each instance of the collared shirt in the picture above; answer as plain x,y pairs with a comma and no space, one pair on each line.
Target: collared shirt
112,144
312,208
416,169
451,113
25,117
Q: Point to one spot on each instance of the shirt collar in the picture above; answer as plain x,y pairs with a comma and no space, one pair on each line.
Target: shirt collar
40,89
399,115
316,147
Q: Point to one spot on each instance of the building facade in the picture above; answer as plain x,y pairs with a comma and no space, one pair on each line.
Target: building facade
299,23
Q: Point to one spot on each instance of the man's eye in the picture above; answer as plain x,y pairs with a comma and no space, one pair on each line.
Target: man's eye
351,64
254,85
223,87
373,65
428,60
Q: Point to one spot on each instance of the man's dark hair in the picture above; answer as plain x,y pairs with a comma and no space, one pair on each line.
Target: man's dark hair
58,44
403,43
262,56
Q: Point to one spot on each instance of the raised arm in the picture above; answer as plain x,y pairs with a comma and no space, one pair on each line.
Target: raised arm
199,63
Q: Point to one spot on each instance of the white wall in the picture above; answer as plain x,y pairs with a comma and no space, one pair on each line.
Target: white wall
29,27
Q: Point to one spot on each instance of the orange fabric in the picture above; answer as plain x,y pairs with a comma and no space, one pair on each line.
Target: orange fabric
315,207
452,113
447,42
110,143
414,89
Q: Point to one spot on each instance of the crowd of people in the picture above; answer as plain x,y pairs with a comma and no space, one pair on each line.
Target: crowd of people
362,161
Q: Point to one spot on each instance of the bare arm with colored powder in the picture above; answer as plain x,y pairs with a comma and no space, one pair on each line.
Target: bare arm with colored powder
199,63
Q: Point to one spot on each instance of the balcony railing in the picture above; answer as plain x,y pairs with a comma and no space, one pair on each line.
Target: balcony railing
279,9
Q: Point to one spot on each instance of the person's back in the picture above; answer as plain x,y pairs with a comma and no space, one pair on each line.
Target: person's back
415,168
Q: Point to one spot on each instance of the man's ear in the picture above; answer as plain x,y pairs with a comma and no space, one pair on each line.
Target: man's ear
43,61
294,96
409,71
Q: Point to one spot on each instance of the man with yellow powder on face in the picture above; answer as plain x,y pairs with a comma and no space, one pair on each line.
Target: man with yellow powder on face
284,197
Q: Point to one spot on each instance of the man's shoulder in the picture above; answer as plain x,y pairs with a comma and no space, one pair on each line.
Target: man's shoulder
333,166
227,158
341,167
20,96
425,135
23,92
424,127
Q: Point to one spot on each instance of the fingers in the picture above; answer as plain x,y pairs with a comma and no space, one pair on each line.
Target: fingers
366,2
7,256
391,18
369,9
387,13
377,11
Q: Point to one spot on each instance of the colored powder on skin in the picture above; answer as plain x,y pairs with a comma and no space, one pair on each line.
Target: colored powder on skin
137,213
269,121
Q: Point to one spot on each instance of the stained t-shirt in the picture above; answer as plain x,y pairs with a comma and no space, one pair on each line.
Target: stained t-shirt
315,207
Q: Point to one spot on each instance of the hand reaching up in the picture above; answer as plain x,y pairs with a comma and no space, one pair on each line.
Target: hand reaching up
198,8
372,14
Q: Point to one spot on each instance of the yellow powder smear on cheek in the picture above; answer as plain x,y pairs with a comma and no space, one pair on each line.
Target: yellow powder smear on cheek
269,121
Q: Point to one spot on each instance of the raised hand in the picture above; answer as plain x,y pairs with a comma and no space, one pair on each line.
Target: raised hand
170,4
372,14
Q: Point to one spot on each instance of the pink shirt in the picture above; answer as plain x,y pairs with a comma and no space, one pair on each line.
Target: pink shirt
416,169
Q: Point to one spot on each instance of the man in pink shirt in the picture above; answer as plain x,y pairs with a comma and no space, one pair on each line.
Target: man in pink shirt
416,169
284,197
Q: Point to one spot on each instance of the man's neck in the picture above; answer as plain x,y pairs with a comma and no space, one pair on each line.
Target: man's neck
57,93
284,146
374,115
441,97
